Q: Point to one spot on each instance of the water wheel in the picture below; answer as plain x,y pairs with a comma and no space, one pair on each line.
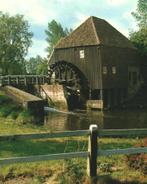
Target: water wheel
72,79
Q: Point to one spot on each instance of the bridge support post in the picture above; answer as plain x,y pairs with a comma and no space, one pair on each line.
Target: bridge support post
92,158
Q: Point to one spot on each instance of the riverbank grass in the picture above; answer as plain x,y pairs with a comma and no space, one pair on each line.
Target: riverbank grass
12,110
111,168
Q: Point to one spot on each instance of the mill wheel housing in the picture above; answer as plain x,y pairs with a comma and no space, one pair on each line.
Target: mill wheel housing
72,79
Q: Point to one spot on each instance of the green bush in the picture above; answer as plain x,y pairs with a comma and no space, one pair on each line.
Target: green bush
12,110
5,111
25,117
138,161
4,99
13,115
73,173
105,167
9,109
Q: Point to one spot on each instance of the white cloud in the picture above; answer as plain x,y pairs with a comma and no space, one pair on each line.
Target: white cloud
70,13
80,19
121,28
37,12
38,48
127,16
116,2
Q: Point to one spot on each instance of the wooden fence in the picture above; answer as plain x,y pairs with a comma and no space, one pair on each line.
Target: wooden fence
92,153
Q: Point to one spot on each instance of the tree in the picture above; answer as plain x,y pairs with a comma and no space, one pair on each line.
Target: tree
15,39
42,68
141,13
139,38
54,32
37,65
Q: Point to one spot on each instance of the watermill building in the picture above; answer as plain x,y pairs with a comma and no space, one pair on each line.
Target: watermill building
96,63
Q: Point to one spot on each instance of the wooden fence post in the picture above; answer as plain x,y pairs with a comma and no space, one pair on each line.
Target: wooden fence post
92,149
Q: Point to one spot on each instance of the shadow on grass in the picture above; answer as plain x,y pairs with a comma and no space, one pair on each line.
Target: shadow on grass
40,147
46,146
114,145
106,179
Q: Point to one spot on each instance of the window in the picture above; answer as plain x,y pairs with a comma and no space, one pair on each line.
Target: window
130,76
105,70
82,54
113,69
134,77
133,73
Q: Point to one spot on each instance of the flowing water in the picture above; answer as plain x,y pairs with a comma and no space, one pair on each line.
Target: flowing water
60,121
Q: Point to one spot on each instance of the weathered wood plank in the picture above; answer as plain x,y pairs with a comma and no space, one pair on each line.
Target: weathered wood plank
111,132
122,132
35,158
44,135
14,79
92,148
122,151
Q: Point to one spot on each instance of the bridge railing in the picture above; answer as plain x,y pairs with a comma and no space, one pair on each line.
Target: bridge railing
93,150
23,79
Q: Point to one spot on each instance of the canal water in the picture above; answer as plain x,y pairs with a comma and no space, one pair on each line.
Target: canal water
80,120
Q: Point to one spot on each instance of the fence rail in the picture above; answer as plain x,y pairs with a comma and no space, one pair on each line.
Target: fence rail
44,135
93,152
122,132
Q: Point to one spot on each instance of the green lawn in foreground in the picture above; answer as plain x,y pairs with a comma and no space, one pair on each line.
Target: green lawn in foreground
69,171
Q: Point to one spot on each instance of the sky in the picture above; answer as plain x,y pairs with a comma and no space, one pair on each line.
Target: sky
70,13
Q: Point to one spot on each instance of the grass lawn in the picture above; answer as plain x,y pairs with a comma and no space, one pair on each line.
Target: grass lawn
111,169
62,171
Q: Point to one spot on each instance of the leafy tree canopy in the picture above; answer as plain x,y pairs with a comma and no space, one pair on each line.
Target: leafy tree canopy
141,13
37,66
139,38
54,32
15,39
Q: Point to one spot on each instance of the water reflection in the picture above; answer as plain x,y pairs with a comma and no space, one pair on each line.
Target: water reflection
55,121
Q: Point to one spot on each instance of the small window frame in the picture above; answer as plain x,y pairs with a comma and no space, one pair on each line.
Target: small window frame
82,54
105,70
113,70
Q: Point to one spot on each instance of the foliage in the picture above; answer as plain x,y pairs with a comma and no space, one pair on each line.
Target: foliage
105,167
37,65
141,13
13,114
10,109
54,32
7,107
15,39
139,38
42,68
25,117
73,172
5,111
4,99
138,161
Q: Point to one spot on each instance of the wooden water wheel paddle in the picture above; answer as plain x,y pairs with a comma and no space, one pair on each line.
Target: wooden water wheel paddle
72,79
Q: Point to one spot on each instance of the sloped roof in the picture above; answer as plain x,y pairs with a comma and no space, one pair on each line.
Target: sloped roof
94,31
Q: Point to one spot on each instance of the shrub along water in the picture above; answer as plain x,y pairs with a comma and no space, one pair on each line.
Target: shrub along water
12,110
138,161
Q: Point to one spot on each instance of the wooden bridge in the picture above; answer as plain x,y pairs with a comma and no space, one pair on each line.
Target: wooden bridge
23,80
